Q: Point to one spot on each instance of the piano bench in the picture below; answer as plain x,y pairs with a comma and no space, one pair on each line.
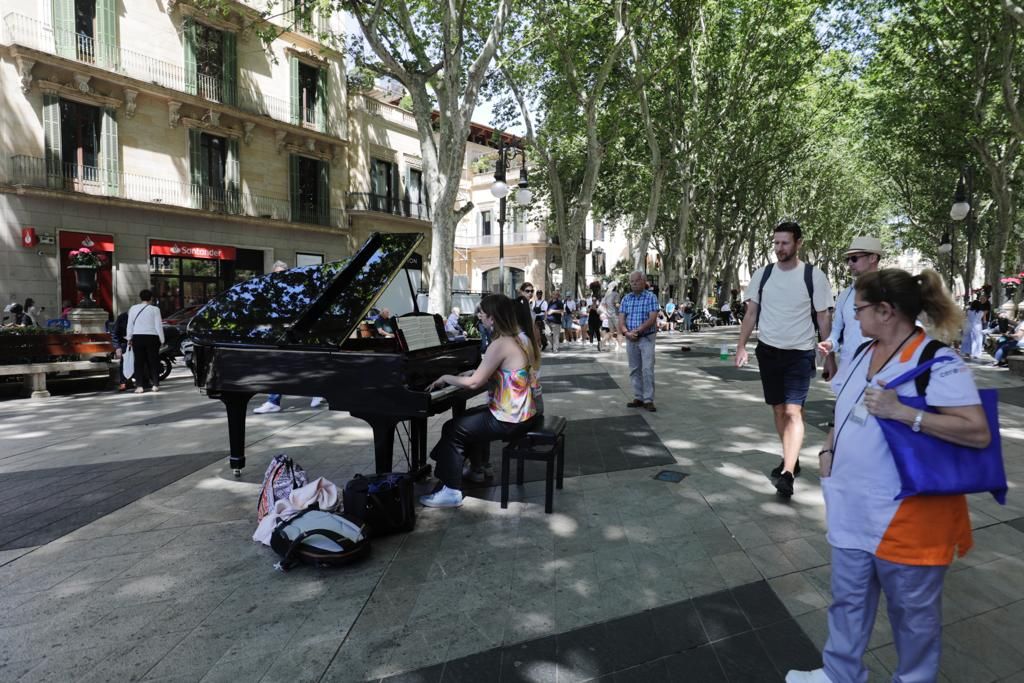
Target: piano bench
545,441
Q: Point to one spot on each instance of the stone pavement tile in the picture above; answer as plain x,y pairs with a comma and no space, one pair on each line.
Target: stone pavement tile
815,625
584,653
701,577
303,662
749,534
250,668
534,660
7,556
649,672
993,542
133,661
797,594
789,648
736,568
770,560
480,666
743,657
721,615
973,591
801,554
717,541
987,638
698,664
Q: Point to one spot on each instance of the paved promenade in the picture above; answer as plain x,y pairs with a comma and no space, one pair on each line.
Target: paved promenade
126,551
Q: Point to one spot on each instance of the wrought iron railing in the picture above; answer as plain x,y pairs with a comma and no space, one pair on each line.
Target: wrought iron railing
365,201
32,172
528,237
33,33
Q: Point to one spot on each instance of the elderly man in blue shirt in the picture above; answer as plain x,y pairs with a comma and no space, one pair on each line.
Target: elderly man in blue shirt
638,323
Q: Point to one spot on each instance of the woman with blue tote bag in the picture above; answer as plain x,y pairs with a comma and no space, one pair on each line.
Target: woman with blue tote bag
881,541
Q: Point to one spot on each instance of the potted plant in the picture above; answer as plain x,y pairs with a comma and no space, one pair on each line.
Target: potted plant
85,264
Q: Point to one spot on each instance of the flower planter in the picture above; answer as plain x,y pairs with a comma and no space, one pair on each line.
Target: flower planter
85,282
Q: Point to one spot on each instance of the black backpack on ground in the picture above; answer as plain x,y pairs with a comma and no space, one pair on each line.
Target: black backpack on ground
386,503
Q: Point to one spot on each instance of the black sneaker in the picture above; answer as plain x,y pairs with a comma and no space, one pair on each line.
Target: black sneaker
777,472
784,485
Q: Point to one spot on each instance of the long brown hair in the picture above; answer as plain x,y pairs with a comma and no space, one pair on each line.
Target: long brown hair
912,295
502,311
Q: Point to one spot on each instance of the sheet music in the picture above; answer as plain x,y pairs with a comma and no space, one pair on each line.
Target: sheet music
420,331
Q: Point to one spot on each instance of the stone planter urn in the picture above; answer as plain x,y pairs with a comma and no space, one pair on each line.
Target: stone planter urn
85,282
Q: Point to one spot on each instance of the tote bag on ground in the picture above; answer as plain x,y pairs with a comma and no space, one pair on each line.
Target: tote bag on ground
128,363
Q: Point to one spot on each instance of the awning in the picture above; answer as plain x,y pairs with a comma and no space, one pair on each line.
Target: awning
191,250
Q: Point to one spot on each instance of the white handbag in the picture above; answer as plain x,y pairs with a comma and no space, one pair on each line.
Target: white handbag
128,363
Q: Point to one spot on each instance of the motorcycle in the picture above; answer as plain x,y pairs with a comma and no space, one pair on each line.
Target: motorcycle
167,360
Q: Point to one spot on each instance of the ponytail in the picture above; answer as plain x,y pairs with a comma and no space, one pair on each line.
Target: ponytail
945,317
913,295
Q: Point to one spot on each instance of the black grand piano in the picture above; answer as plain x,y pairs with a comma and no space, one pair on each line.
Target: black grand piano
297,333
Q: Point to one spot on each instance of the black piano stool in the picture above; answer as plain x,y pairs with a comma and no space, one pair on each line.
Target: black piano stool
546,442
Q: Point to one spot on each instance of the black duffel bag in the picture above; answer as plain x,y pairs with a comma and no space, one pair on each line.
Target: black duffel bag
386,503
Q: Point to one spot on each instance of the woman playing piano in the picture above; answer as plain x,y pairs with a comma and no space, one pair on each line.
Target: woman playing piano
510,365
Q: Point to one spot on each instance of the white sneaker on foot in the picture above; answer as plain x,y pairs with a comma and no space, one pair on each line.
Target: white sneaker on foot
443,498
816,676
139,390
316,402
268,407
156,389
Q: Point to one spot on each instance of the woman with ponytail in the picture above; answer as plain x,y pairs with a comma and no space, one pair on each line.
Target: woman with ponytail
901,547
510,365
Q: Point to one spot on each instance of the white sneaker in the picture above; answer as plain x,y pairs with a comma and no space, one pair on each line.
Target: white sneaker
268,407
139,390
816,676
316,402
443,498
156,389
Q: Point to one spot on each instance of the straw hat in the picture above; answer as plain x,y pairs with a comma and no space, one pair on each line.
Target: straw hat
865,245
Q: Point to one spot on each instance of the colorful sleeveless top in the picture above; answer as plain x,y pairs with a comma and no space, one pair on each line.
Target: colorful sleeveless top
513,394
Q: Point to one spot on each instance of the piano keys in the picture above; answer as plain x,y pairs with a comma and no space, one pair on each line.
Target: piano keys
297,333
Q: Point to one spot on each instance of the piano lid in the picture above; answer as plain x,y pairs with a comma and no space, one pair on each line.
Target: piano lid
314,305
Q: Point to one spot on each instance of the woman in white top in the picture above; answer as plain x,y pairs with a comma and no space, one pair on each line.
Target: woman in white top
145,336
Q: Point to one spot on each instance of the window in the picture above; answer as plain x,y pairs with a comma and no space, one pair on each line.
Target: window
85,30
419,205
308,93
209,57
598,230
597,261
306,259
310,190
80,141
485,223
383,186
214,172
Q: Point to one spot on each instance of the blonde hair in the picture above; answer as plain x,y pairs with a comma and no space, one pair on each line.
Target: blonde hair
913,295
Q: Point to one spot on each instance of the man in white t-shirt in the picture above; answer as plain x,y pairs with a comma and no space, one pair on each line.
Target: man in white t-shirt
788,301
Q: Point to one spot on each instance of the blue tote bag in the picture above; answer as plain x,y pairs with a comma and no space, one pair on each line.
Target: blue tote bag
930,466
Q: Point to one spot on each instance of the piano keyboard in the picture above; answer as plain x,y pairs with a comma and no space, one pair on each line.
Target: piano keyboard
442,394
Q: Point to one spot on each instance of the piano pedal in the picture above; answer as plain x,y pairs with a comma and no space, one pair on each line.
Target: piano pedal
237,473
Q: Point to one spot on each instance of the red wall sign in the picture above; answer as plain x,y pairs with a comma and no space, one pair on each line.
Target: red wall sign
29,237
189,250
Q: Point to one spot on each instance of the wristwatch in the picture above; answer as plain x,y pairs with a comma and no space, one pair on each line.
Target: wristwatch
916,427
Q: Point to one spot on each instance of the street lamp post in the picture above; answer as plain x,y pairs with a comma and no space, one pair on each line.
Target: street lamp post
962,210
499,189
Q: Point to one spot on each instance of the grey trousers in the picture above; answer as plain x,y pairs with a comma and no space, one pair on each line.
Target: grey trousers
640,354
914,596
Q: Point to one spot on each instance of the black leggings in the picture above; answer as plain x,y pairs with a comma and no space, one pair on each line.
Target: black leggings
147,360
594,332
469,435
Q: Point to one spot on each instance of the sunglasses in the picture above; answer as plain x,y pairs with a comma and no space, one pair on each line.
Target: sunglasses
853,258
527,291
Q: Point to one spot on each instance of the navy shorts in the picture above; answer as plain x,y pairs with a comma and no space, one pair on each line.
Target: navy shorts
785,374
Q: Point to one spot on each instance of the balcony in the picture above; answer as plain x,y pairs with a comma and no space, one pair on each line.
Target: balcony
37,35
528,237
388,112
29,171
363,201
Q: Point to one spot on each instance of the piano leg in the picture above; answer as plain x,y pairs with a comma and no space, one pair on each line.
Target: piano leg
383,440
236,405
418,436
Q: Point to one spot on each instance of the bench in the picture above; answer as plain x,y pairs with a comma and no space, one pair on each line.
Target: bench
33,356
545,441
1016,364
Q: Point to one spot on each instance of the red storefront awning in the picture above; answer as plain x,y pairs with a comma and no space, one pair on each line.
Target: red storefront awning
94,241
190,250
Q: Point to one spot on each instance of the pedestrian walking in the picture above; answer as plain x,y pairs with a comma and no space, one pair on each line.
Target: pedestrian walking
610,303
862,257
554,319
594,322
119,338
638,323
878,542
787,300
540,313
973,343
145,335
569,306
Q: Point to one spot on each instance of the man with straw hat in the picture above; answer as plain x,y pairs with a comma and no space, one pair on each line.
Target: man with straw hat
862,257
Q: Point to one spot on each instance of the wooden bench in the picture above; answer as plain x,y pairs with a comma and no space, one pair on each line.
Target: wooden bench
33,356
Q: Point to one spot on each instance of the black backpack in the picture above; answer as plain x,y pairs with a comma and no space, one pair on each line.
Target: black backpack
386,503
323,539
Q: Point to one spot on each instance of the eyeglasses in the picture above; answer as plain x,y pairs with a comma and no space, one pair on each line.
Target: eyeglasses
858,309
527,291
853,258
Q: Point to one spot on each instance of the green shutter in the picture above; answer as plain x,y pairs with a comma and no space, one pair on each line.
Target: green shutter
195,168
106,33
52,142
321,101
296,112
188,35
109,167
64,27
293,186
232,177
229,69
323,195
396,197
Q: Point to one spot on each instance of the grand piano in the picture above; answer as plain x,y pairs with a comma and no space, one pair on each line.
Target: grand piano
297,333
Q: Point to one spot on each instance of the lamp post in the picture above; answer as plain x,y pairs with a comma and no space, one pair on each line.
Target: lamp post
962,210
500,191
946,247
